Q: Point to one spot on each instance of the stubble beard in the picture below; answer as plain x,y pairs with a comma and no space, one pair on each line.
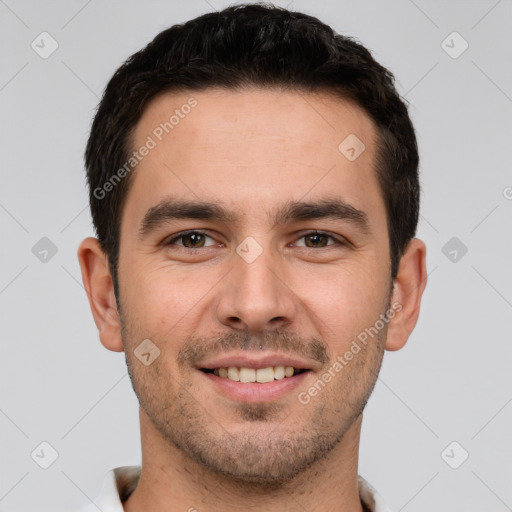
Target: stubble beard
264,447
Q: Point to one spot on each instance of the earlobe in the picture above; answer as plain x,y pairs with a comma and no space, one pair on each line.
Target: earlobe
408,289
100,292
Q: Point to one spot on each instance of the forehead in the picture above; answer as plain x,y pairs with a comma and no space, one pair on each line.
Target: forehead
252,149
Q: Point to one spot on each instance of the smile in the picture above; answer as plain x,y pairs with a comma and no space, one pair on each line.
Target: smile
261,375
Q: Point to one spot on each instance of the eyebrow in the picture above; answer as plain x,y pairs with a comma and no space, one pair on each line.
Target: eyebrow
332,208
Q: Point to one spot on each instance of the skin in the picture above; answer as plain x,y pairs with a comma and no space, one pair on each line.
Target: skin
253,150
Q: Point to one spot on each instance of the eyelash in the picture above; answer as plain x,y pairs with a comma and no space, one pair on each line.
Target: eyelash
193,232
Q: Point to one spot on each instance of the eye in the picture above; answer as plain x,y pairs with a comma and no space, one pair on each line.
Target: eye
191,240
197,240
318,239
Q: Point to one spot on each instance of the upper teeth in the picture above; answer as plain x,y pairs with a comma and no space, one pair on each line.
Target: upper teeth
262,375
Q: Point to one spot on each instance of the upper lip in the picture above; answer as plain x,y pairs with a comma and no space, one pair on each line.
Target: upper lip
257,360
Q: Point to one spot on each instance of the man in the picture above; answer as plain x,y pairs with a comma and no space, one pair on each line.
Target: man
254,187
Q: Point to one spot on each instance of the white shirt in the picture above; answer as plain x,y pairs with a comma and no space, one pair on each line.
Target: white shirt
120,482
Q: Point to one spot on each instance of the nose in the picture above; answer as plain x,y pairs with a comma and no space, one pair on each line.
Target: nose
255,296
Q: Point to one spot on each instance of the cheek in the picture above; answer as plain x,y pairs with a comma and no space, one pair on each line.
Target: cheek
346,303
166,297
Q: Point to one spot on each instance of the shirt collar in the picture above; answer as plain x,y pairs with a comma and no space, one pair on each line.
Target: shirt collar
120,482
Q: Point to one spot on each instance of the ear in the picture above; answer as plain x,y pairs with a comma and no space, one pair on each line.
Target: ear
408,289
100,292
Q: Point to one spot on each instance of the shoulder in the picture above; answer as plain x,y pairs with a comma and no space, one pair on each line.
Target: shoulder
117,485
370,497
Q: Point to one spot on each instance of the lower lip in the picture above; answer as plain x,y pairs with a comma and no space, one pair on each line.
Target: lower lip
256,391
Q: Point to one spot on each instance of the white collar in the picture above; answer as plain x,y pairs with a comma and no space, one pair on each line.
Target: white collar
120,482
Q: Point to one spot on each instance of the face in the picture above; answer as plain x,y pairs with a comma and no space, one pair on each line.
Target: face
250,240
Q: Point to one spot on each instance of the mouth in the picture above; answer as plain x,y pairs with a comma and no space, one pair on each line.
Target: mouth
256,377
247,375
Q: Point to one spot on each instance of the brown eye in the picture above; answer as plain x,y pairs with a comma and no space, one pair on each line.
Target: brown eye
317,240
193,240
190,240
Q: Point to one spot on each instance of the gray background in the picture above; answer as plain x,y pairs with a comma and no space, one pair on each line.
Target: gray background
452,382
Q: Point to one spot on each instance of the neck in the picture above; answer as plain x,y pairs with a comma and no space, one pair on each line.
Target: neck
170,480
